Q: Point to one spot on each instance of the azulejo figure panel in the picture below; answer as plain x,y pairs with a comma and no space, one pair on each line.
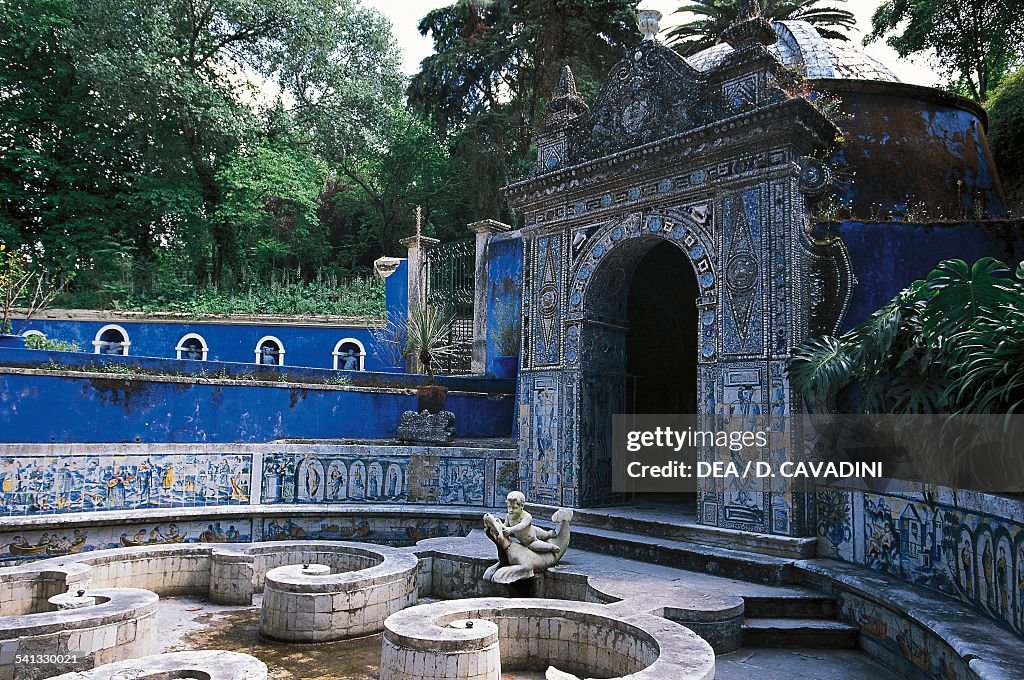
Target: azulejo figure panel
326,478
47,484
973,556
41,544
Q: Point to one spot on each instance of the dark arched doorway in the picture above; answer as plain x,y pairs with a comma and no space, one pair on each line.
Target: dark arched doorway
661,350
638,353
661,344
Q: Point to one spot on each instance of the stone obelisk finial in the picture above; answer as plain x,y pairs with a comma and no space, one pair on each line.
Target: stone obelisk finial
750,27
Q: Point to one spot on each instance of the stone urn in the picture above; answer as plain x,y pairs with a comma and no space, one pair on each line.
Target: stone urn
649,22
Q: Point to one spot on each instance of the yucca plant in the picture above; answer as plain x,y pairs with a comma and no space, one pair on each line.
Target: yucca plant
952,343
428,335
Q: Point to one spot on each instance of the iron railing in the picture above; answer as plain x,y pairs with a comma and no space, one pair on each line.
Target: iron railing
451,284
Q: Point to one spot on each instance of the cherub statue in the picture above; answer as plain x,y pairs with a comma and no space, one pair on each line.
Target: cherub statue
534,550
519,523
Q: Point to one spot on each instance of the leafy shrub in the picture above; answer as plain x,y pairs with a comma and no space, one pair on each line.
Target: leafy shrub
952,343
42,342
1006,135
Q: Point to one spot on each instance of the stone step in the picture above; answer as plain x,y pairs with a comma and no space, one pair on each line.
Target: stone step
813,633
738,564
809,606
665,524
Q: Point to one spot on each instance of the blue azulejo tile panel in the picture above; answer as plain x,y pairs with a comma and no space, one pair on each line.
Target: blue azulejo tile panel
75,483
974,555
39,544
301,478
390,530
328,478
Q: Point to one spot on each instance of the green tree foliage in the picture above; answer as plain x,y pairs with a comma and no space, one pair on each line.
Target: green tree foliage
952,343
975,42
269,205
712,17
370,203
131,149
495,66
1006,135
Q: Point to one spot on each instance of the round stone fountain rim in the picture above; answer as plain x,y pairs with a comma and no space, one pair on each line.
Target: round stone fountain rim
209,662
393,564
431,622
122,604
681,653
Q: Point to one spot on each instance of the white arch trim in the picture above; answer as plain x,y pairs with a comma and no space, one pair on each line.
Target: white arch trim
361,354
180,347
275,340
98,344
33,333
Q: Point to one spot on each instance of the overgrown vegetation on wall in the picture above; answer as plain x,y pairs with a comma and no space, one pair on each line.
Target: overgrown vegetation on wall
951,343
1006,136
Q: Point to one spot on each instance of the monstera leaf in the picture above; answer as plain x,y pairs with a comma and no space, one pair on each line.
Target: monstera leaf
965,295
820,367
952,342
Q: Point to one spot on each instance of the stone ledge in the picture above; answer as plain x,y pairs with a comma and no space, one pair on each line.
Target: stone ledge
118,604
747,566
991,652
685,528
69,520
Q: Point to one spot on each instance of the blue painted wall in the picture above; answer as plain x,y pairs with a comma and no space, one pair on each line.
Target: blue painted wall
888,256
304,345
113,408
906,146
396,291
504,287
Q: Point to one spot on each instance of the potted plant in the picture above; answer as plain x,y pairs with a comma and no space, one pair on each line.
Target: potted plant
428,337
507,339
23,287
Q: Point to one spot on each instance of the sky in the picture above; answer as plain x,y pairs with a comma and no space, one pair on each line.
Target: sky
406,14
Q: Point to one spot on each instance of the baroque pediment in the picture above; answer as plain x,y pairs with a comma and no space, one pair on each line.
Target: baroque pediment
651,94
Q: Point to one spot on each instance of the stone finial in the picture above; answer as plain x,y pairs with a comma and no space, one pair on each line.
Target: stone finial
649,23
566,84
749,9
565,103
750,27
386,266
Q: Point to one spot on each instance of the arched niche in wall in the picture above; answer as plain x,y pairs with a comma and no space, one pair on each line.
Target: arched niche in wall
111,339
349,355
192,346
270,351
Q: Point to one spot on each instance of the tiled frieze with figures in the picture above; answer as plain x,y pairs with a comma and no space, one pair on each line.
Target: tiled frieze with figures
77,483
971,551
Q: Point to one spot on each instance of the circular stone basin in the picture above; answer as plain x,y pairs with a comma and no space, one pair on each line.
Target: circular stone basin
433,641
206,665
331,600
